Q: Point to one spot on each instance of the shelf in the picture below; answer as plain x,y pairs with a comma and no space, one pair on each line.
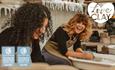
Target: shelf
91,43
96,29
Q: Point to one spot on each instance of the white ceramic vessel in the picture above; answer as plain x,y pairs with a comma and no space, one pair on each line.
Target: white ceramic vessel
101,62
111,49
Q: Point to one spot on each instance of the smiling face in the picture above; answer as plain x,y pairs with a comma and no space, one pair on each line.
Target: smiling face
43,28
39,31
78,23
79,27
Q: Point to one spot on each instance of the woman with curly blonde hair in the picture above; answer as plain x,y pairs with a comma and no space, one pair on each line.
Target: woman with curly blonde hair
75,23
57,50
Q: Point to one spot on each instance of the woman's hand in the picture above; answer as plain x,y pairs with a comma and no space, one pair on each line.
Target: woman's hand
88,56
81,55
79,50
84,55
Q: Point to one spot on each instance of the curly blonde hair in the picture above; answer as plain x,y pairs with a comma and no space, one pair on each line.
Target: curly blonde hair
77,19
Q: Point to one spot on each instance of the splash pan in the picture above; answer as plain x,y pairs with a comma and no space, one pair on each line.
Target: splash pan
101,62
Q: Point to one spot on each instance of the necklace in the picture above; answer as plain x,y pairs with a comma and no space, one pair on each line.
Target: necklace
71,41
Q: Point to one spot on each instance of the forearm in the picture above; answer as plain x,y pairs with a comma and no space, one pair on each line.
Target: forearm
75,54
71,53
79,55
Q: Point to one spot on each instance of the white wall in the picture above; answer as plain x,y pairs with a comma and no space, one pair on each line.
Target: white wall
12,1
60,17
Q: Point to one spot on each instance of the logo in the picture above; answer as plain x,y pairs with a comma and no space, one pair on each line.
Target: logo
23,56
100,12
8,56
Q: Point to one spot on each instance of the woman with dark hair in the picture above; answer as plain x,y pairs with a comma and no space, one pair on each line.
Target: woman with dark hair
28,24
57,50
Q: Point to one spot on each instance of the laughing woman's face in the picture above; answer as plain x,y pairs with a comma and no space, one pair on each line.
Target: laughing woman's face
39,31
79,27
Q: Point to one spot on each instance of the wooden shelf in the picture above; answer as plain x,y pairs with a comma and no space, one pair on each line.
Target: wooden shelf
96,29
92,43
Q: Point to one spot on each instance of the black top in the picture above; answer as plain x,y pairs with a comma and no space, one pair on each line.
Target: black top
8,38
36,55
61,37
